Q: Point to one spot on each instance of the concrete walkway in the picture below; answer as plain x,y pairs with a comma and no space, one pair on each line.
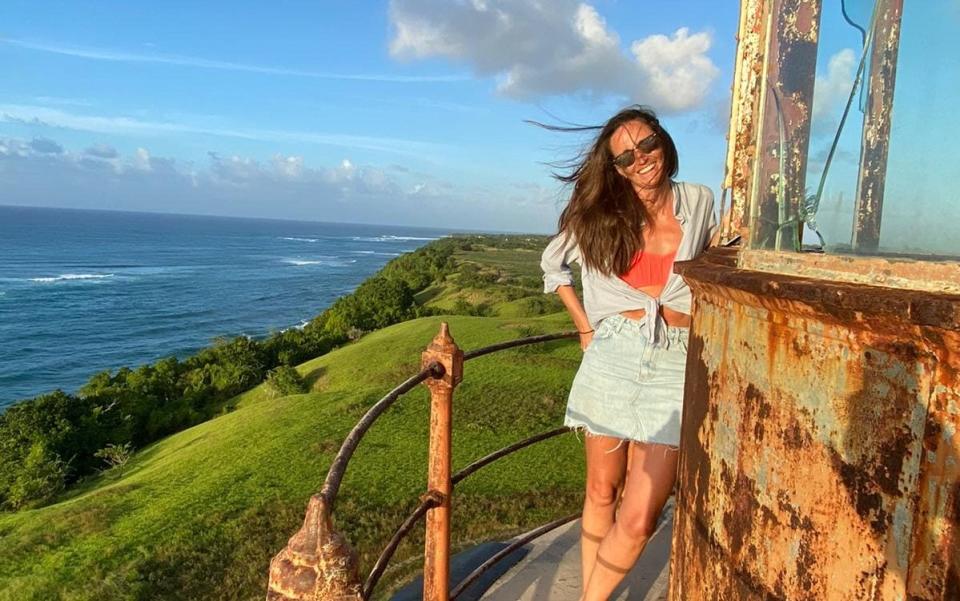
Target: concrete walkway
551,569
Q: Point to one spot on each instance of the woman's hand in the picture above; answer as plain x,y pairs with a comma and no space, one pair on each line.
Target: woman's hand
579,317
585,338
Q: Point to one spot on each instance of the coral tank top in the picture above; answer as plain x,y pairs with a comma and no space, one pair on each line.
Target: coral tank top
649,269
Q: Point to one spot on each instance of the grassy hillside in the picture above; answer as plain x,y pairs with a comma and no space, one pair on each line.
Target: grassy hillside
199,514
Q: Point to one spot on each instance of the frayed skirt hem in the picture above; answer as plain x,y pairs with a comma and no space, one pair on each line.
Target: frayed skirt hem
588,431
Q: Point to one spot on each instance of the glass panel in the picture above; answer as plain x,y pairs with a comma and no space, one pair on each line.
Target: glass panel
903,200
921,207
834,156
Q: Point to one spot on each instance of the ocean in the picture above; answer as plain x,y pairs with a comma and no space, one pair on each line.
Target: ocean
85,291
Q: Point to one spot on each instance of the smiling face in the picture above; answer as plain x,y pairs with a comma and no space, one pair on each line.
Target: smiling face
646,172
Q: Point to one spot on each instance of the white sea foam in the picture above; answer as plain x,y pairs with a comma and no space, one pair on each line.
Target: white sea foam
373,252
303,324
298,239
331,262
391,239
73,276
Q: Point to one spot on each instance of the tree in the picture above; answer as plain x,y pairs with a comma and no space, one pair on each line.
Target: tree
116,456
284,381
41,477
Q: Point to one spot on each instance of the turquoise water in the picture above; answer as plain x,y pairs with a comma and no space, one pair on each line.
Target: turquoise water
85,291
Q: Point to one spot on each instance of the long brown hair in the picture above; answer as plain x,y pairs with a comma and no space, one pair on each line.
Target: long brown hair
604,214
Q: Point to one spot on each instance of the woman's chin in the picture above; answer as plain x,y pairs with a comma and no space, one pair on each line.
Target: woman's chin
647,181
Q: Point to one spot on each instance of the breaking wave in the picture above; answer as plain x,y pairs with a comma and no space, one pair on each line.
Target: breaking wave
392,239
327,262
73,277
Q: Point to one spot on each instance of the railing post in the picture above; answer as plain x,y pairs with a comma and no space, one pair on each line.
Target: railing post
317,564
443,351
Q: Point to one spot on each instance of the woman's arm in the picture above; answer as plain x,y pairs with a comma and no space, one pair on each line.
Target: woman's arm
570,300
717,234
558,277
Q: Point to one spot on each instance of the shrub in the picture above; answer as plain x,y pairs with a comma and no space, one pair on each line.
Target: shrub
41,477
464,307
284,381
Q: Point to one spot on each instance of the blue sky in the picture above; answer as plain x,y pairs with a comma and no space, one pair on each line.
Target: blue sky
405,112
408,111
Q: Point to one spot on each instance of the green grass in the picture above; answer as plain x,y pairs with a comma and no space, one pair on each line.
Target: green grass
515,289
199,515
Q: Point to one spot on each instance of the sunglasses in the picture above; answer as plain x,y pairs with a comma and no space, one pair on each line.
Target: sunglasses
646,146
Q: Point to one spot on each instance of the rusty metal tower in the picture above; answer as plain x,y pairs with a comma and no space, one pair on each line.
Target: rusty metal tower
820,447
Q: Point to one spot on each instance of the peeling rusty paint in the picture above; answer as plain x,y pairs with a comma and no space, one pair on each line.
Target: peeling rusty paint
436,564
782,138
876,126
894,272
744,113
820,446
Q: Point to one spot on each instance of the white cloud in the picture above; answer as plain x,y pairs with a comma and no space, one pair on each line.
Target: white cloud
100,54
284,187
290,167
141,160
122,125
102,151
45,146
677,67
538,49
14,148
832,89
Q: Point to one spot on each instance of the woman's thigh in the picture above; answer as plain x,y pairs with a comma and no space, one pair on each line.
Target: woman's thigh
606,464
649,483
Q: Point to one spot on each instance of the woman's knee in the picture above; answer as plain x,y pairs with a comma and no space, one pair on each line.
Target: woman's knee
603,491
637,524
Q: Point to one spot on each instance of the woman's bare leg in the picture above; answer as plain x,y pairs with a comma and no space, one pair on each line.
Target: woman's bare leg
653,471
606,465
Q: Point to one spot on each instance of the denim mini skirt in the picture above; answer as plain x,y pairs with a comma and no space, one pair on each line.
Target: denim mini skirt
628,388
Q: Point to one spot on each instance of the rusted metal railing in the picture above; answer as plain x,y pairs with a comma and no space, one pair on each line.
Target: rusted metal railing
319,564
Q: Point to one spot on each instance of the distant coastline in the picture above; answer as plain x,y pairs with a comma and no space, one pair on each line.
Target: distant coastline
448,230
83,290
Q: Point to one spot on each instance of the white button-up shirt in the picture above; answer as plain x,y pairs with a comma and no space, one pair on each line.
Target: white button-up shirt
606,295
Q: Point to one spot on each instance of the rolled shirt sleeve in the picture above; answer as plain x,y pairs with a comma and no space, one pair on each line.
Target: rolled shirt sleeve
555,262
712,224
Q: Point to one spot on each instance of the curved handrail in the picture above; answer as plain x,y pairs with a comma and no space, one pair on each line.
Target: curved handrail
479,463
331,486
428,501
486,350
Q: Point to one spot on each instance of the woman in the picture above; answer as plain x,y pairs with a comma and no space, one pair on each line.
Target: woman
627,221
